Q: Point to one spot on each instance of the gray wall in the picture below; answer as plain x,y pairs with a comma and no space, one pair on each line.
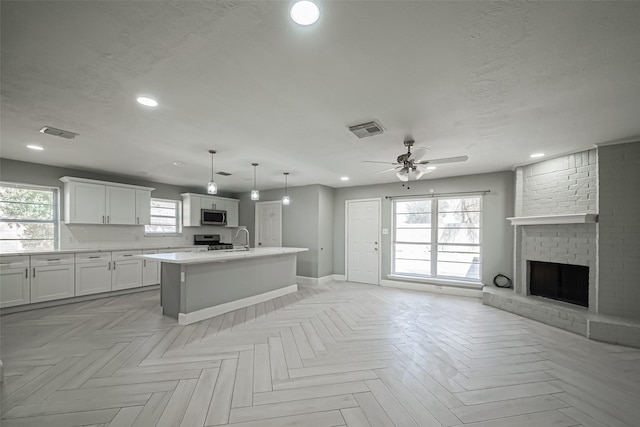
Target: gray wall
325,231
497,237
86,236
619,228
300,223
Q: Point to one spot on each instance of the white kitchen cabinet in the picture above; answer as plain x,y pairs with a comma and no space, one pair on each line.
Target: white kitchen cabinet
14,281
84,203
93,272
143,207
52,277
232,212
87,201
121,205
126,270
150,269
193,203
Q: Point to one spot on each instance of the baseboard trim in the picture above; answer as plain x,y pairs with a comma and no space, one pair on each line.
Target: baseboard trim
438,289
310,281
340,277
72,300
209,312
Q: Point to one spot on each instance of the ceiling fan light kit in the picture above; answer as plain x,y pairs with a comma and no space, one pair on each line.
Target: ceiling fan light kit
412,165
285,198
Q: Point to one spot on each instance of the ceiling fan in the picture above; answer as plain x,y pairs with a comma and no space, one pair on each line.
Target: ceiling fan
411,165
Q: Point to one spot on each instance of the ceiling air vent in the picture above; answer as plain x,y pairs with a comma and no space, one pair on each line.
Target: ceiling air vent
223,173
58,132
366,129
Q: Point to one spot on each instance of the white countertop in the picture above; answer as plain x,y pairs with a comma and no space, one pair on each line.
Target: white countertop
219,256
79,250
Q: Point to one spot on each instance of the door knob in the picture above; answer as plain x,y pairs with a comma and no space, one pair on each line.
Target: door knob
375,249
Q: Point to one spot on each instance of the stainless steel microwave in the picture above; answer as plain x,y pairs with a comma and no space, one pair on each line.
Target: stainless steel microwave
213,217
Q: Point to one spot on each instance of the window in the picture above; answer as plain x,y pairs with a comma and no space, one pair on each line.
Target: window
165,218
438,238
28,218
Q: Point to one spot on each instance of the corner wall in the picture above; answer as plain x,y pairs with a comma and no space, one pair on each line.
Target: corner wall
619,221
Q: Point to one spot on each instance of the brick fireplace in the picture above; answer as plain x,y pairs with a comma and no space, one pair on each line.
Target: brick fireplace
560,218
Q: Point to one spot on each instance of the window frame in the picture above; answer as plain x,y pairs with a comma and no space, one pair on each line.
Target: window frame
434,242
55,220
178,222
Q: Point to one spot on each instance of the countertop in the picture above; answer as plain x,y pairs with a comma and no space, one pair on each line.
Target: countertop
219,256
114,249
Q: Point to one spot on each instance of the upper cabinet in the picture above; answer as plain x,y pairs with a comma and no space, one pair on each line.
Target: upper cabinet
88,201
193,203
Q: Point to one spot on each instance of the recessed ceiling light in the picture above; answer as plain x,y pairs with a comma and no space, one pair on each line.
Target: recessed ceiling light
431,168
304,12
148,102
533,156
35,147
344,178
178,163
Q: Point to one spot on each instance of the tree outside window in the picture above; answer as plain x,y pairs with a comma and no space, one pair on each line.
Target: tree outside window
28,218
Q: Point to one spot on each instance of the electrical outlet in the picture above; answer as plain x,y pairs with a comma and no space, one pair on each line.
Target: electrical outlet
385,231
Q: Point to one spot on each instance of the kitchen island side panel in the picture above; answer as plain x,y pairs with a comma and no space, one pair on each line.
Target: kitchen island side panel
170,291
208,285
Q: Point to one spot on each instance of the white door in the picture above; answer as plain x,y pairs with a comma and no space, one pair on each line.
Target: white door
363,238
268,224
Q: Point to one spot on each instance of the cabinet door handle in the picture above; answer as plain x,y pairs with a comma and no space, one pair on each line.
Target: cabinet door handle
26,273
34,272
114,265
53,259
128,255
138,220
94,257
109,265
103,219
144,262
108,220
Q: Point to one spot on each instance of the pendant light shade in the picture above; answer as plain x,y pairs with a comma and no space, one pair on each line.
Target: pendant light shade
255,194
212,187
285,199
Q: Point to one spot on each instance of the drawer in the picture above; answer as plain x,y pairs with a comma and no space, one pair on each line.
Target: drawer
14,261
51,259
91,257
123,255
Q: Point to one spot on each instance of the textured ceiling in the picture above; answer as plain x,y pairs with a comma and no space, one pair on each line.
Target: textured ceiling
494,81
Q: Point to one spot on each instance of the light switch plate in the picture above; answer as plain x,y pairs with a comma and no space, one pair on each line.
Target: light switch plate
385,231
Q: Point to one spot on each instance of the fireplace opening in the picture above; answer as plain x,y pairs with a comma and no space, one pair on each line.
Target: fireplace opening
562,282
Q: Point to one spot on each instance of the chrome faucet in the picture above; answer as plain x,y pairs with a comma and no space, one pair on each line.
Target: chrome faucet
246,246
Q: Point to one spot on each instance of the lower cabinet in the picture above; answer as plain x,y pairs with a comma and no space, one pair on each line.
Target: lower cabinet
150,269
93,273
53,277
126,271
14,281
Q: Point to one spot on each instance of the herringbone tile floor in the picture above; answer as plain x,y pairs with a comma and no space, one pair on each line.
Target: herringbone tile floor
334,355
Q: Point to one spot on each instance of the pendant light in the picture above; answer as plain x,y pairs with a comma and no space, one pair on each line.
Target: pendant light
255,194
212,187
285,199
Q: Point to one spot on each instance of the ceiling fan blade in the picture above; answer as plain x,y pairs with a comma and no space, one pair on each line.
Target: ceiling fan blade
386,170
384,163
418,153
444,160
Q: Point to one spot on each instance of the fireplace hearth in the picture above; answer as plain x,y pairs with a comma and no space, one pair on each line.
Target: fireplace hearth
561,282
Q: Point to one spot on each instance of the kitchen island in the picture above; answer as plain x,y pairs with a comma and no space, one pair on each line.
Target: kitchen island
198,286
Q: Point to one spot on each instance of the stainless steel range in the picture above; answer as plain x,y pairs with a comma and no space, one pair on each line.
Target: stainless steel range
212,241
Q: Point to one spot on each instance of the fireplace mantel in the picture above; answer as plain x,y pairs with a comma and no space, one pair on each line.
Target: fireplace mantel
579,218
